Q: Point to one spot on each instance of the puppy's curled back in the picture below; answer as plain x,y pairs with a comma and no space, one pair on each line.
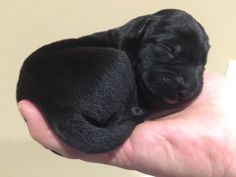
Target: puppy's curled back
87,95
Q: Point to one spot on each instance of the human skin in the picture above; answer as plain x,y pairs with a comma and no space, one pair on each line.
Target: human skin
197,141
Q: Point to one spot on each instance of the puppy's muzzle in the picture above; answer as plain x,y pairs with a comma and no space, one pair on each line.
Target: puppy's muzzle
171,88
187,88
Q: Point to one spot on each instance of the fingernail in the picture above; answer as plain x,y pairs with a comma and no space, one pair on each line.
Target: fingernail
21,112
55,152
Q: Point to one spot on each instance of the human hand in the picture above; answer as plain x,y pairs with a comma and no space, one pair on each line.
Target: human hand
197,141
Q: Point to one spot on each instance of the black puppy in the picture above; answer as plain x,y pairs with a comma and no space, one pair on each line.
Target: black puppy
94,90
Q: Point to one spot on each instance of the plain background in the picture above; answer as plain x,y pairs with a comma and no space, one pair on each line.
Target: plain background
28,24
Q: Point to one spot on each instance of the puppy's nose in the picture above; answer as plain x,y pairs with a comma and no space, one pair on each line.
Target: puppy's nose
186,94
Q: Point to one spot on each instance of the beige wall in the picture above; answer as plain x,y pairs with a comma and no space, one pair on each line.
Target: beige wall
25,25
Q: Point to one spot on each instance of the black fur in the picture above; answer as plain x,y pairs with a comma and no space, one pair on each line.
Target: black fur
95,89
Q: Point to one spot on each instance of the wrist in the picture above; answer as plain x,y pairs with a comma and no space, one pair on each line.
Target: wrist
231,172
230,158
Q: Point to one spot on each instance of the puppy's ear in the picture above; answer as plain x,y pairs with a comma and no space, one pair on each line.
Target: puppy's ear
134,29
140,29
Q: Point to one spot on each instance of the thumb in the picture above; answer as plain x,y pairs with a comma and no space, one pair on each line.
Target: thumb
41,132
37,126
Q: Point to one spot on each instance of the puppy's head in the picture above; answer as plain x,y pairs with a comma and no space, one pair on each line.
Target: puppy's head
171,59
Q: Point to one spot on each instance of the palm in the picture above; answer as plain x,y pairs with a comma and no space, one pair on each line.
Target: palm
176,144
192,142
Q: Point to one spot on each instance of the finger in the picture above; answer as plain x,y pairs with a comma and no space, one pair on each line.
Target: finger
37,126
41,132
